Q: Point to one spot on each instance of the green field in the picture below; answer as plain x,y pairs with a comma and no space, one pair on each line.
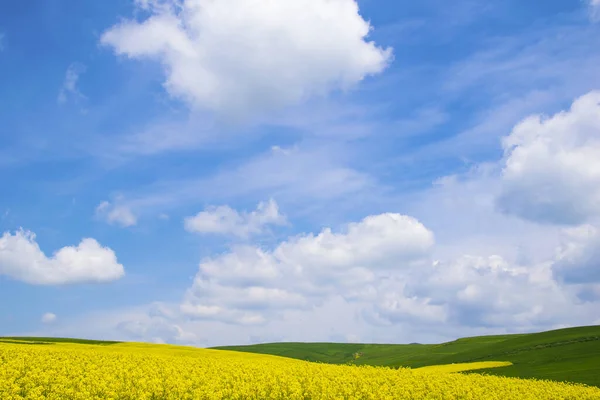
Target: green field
571,354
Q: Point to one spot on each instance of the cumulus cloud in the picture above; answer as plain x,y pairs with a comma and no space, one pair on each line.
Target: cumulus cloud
69,87
224,220
22,259
48,318
385,241
246,284
490,291
116,214
382,265
551,168
236,56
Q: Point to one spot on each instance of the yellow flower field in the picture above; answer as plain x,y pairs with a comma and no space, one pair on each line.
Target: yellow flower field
140,371
460,367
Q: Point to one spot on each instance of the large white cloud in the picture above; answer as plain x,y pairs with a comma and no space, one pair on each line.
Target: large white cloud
552,165
300,273
22,259
227,221
236,56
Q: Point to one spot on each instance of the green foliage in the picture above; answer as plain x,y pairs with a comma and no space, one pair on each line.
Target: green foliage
571,354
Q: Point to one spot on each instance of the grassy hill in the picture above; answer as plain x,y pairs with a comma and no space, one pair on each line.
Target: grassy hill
571,354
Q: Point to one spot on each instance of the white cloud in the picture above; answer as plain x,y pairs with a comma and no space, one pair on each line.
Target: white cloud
48,318
226,221
116,214
69,88
491,291
22,259
236,56
384,241
578,257
246,284
552,169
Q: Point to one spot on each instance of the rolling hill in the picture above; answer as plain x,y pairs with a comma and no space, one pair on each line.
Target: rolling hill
571,354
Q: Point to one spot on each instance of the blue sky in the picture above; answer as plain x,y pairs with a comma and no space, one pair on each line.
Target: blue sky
231,172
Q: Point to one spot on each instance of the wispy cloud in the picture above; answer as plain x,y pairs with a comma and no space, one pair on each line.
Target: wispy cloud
509,78
305,176
69,89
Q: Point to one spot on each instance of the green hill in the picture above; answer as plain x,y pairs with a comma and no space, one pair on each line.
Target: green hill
571,354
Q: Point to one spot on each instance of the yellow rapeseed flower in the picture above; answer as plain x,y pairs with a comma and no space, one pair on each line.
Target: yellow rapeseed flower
141,371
